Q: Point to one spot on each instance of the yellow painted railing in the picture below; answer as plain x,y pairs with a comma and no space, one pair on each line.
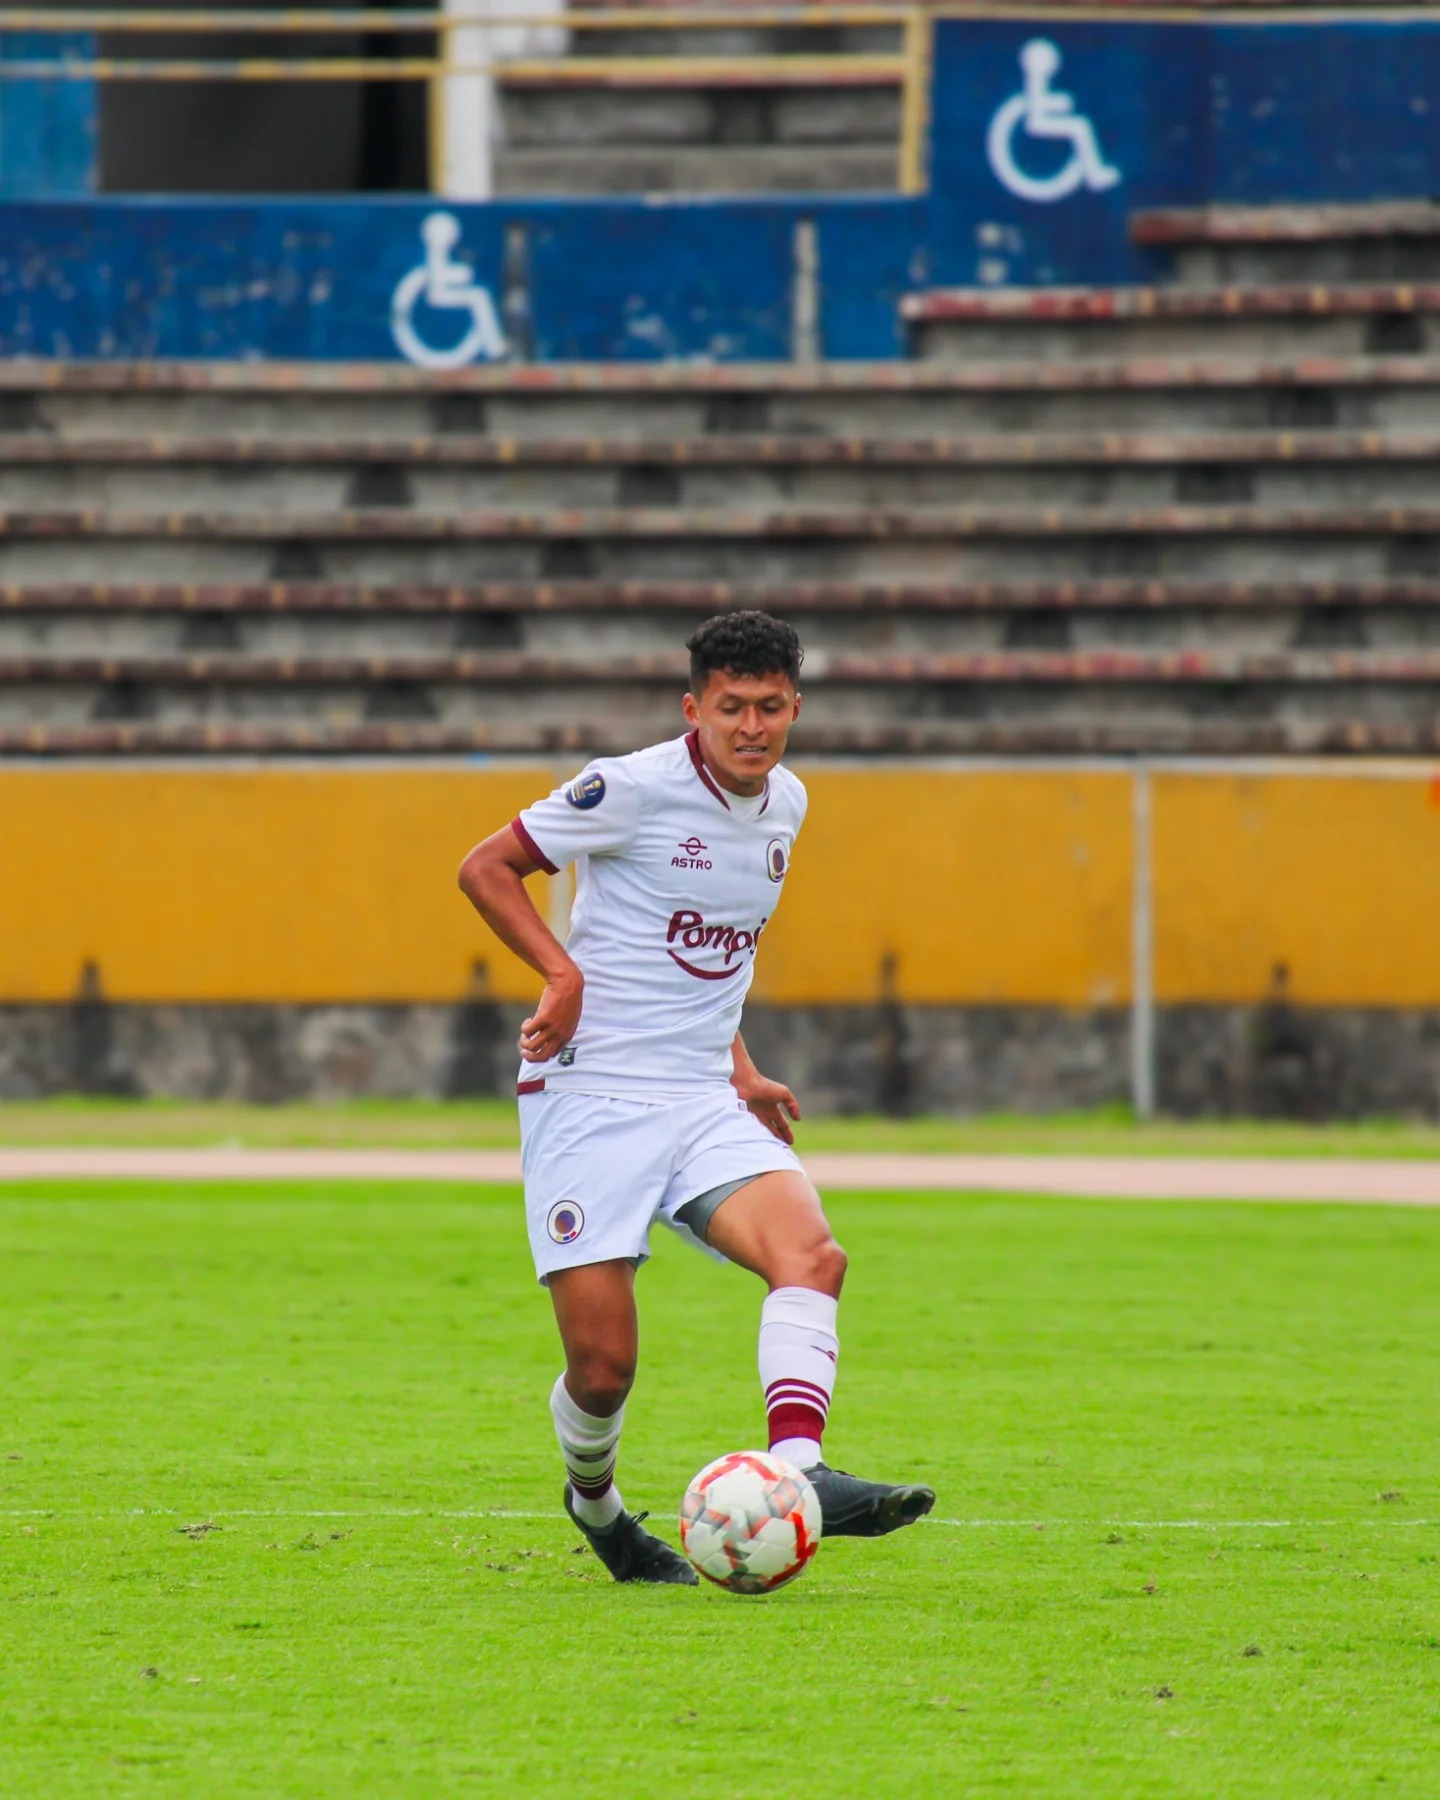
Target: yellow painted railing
908,69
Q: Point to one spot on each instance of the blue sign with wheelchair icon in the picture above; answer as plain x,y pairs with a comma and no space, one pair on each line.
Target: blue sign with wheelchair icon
1047,135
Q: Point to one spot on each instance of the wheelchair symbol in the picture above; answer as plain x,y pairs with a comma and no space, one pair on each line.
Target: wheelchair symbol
1046,114
449,286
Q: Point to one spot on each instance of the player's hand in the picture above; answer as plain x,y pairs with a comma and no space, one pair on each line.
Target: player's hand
555,1019
771,1102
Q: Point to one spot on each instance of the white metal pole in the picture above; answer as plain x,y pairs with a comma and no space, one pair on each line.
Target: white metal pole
467,118
1142,952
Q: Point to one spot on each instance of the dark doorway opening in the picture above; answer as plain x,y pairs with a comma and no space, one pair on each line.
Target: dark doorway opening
266,137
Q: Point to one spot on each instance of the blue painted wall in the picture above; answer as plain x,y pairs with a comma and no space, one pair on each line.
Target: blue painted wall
48,129
599,282
1033,180
1183,113
1140,88
1349,111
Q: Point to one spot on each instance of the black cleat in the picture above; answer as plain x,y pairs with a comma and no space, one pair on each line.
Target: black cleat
854,1508
631,1554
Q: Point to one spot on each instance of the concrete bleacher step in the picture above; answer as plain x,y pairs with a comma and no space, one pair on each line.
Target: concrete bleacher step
1123,554
863,168
1317,541
1395,318
700,123
1374,241
545,599
504,695
290,621
505,670
646,403
285,475
1170,735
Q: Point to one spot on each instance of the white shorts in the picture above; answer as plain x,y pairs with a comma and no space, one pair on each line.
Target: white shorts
599,1171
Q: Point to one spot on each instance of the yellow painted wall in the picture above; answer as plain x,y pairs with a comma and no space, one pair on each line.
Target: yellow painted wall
250,884
987,886
1336,875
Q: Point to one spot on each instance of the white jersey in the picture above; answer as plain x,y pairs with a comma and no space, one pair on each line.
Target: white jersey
676,881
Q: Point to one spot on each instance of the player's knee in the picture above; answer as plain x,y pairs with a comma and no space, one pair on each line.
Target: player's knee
599,1381
820,1266
830,1263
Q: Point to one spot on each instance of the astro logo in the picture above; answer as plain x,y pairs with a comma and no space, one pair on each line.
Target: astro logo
566,1222
586,791
690,857
694,934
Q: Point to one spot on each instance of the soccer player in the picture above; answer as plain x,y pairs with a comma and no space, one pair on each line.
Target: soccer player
638,1100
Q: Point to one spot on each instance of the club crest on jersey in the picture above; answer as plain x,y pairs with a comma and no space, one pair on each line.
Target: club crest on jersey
586,791
566,1222
777,860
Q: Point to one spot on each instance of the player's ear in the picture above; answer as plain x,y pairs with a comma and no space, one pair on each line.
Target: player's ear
690,709
795,710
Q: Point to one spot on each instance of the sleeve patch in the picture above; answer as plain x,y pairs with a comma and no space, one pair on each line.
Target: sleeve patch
586,791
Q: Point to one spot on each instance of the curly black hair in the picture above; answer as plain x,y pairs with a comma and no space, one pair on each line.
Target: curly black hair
744,643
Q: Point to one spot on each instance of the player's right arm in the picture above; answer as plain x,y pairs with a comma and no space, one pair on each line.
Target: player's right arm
492,879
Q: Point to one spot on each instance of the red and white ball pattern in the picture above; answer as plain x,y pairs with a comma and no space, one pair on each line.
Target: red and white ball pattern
750,1522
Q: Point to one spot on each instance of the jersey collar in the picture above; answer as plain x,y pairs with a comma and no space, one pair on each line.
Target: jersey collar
692,744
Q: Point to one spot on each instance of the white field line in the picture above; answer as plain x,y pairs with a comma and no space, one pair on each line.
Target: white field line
475,1513
1380,1182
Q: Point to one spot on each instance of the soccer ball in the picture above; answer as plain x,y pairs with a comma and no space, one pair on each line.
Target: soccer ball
749,1522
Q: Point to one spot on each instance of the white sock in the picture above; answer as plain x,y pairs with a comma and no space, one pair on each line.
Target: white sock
798,1358
588,1445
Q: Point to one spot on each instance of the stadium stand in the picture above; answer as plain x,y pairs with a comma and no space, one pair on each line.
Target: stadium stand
794,109
1198,518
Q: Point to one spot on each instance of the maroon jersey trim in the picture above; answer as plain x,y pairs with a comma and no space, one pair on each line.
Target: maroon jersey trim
692,744
532,849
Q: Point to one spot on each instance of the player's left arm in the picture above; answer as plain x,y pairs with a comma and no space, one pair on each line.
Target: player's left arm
771,1101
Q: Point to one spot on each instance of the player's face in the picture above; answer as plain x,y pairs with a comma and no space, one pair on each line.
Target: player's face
744,721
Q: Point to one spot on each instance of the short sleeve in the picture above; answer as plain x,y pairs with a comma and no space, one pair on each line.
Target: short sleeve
596,814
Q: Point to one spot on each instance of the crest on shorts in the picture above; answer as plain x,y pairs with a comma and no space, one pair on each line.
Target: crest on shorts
566,1222
586,791
777,859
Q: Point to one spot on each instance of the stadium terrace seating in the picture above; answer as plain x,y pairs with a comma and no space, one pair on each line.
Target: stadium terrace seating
1189,519
1386,240
798,109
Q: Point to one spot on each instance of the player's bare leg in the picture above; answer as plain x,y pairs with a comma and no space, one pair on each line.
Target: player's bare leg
775,1226
595,1310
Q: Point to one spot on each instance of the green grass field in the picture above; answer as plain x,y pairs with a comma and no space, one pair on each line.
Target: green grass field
491,1124
279,1509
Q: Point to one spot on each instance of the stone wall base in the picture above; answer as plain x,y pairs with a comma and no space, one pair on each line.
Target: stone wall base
1266,1061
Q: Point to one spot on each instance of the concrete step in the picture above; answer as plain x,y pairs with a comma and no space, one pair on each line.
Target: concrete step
737,39
298,621
718,524
700,169
765,544
1081,323
647,403
1393,240
360,457
832,111
505,672
1168,735
286,477
837,715
660,601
